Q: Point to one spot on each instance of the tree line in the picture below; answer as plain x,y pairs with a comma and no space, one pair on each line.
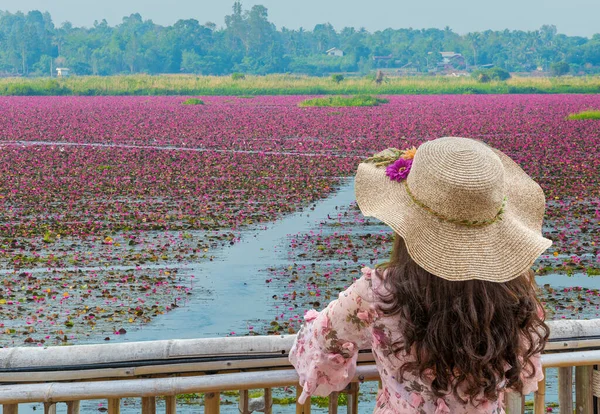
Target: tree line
32,45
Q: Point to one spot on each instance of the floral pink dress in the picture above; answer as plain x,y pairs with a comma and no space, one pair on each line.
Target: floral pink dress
326,350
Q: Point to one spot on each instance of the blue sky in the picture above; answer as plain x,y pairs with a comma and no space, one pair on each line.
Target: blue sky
571,17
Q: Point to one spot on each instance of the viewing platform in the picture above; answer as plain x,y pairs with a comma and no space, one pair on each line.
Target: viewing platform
148,370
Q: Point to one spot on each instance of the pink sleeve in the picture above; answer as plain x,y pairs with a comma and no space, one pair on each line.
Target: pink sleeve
530,384
326,348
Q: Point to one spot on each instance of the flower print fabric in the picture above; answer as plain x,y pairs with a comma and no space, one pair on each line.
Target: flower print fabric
326,350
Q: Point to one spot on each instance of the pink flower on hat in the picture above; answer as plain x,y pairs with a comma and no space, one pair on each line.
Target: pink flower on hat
399,170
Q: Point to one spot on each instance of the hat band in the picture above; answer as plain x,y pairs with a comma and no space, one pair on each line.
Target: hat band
460,222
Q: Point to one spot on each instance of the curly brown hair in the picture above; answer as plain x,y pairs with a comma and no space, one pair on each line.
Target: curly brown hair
474,336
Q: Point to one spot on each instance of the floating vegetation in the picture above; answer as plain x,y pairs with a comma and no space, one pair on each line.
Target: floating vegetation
338,101
141,186
193,101
583,115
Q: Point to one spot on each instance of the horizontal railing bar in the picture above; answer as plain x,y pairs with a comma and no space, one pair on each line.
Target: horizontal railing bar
252,353
142,363
145,370
570,344
149,387
144,351
567,329
571,359
583,338
202,367
565,335
554,345
187,366
168,386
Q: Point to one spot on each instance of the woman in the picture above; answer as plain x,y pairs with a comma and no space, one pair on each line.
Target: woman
453,319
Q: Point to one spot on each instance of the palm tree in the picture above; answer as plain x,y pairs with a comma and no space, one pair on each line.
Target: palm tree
474,39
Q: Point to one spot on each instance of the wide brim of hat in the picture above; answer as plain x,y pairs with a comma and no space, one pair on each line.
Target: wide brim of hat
497,252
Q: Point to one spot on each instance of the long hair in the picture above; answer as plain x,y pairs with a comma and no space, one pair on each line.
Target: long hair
472,336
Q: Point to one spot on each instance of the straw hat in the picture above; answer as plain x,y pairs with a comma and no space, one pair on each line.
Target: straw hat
466,211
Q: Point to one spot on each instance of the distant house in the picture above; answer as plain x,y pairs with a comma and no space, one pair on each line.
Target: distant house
62,72
448,57
334,51
451,61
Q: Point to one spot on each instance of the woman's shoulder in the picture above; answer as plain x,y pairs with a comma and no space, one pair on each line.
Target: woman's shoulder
371,285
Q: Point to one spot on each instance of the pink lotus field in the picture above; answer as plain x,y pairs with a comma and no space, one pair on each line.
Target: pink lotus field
132,181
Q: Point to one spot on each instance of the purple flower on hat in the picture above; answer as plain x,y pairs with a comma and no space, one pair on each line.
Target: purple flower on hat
399,170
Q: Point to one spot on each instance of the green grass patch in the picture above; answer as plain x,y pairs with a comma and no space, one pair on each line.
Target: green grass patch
280,84
321,402
193,101
591,271
190,397
235,393
339,101
284,400
584,115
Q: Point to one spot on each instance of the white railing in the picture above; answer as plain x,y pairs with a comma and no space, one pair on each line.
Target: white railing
211,366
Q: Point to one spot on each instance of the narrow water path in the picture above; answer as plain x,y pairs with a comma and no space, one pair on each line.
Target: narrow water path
233,291
235,280
167,148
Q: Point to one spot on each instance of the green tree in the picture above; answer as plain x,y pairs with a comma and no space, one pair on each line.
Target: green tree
30,44
559,68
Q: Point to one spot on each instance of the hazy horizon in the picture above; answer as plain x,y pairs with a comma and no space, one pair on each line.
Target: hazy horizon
462,16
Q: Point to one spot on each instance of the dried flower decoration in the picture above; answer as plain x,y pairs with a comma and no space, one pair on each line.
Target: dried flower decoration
385,157
409,154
